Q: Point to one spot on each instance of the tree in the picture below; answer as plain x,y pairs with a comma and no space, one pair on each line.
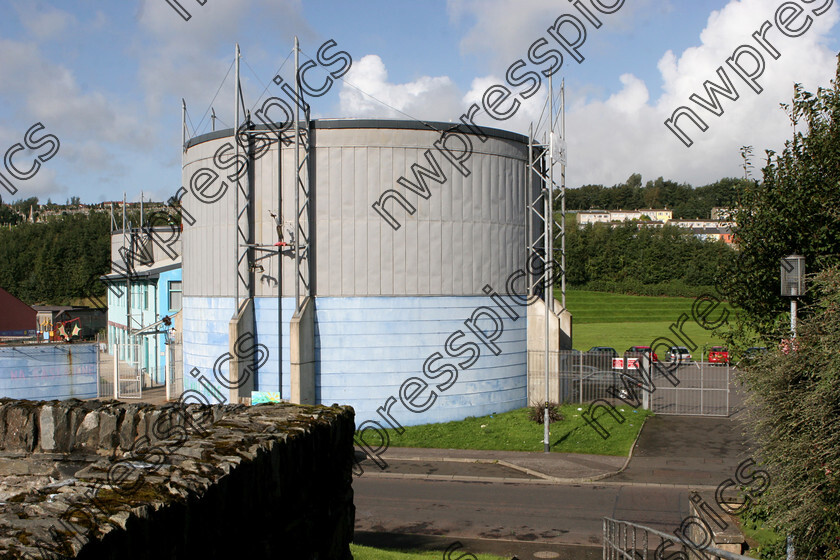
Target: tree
794,408
795,209
51,262
795,390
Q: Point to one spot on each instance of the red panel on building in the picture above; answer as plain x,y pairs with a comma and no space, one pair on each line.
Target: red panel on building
16,318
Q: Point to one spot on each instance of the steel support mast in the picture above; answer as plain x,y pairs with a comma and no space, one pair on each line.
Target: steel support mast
302,190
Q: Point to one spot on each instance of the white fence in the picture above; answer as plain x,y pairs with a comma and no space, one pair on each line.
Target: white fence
121,376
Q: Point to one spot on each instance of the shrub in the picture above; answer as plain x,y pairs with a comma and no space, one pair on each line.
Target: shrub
537,413
794,410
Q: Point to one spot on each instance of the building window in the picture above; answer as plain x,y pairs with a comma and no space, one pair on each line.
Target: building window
175,295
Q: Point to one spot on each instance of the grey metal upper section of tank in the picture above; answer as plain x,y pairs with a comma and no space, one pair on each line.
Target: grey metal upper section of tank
152,244
469,232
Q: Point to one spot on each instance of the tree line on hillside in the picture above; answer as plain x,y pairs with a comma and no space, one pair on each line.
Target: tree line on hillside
645,261
55,261
684,200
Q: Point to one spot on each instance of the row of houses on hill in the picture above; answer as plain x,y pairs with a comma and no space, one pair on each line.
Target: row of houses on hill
714,229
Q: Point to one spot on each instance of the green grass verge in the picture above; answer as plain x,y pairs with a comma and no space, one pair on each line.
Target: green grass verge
514,431
621,321
769,543
367,553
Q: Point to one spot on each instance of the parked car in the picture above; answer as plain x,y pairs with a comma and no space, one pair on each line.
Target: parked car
603,350
678,354
641,350
718,355
751,354
599,357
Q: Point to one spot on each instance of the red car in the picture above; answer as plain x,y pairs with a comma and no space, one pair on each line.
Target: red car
718,355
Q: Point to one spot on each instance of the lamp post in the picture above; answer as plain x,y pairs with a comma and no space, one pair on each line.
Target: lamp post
793,284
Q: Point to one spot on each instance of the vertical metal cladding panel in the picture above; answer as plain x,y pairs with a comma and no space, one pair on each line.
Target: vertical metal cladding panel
116,243
468,232
209,258
208,262
273,168
267,378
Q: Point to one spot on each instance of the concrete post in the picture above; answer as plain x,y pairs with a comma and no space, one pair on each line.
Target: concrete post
302,353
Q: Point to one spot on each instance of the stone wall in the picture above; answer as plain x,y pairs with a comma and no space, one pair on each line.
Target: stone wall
103,480
720,529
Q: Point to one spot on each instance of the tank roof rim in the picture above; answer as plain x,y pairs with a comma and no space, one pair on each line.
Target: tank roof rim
364,123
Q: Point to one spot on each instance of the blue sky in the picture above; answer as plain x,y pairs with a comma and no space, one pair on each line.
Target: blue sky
107,78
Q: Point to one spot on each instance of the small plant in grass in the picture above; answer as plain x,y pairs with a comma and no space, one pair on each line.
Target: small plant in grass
537,413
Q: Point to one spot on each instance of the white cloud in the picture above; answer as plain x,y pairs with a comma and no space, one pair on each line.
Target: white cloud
426,98
503,29
49,93
181,59
44,22
44,184
611,138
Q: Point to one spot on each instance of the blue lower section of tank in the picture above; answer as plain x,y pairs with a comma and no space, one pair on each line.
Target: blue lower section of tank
370,353
205,340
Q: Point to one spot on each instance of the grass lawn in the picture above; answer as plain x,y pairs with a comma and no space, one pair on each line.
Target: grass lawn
513,431
621,321
368,553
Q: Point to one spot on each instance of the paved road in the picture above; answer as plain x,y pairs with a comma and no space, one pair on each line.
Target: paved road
687,450
550,514
530,517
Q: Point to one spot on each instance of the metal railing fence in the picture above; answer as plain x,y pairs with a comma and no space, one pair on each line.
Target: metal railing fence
624,540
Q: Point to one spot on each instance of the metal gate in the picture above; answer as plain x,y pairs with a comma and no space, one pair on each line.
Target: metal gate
703,390
128,375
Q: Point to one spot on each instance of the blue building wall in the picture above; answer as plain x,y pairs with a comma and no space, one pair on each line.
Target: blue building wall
49,371
265,311
366,347
150,301
166,308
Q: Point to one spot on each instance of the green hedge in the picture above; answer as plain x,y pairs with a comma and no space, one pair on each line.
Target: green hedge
670,288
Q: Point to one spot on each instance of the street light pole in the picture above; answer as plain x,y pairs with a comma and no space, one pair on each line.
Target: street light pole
549,259
793,285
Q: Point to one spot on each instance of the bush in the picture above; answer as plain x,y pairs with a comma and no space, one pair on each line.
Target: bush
537,413
794,407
